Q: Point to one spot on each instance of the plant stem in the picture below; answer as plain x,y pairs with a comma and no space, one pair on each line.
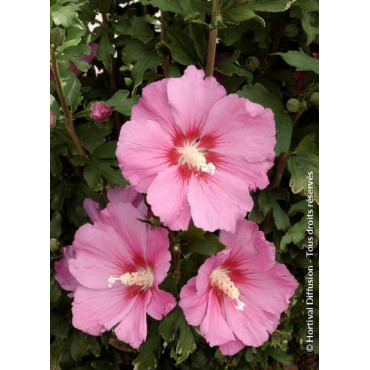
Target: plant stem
176,252
103,13
164,38
211,53
67,113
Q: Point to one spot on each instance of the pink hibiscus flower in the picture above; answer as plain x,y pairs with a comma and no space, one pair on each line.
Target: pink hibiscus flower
197,152
115,195
239,294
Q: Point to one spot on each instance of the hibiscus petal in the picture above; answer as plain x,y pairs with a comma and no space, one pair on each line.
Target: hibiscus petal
161,303
133,328
218,201
167,196
100,253
270,290
193,304
231,348
214,326
153,105
249,132
62,274
192,97
95,311
158,255
92,209
123,217
142,152
249,249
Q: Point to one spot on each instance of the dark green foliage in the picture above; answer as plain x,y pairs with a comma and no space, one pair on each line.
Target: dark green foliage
257,56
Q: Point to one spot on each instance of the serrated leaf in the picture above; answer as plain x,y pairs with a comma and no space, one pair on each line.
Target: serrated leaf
229,67
56,225
71,86
136,27
300,165
272,6
79,346
105,50
257,93
92,135
143,56
174,327
106,150
147,358
121,102
66,16
300,60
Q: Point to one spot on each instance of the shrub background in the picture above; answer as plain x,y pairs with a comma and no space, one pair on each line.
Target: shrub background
262,45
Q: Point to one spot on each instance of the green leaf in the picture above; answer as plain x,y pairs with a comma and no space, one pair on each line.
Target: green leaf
55,291
66,16
181,46
300,60
56,225
136,27
191,9
98,170
79,345
54,107
280,356
143,56
92,135
71,86
197,34
300,165
272,6
106,150
149,350
241,13
201,242
230,66
121,103
308,12
259,94
105,51
174,327
59,326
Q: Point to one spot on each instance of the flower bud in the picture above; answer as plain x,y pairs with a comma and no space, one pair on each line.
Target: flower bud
100,112
57,36
52,119
291,30
314,99
293,105
252,63
54,245
303,105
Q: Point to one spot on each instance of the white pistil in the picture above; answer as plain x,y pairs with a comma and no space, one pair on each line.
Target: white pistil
195,159
220,279
141,277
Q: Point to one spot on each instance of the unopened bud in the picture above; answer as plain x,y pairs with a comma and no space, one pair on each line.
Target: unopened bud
291,30
314,99
100,112
57,36
252,63
293,105
54,244
303,105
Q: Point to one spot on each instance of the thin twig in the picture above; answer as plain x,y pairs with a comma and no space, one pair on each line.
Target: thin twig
67,113
103,13
212,40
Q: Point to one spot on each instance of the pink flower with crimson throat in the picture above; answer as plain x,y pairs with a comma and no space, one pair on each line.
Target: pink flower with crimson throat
100,112
239,294
115,195
197,152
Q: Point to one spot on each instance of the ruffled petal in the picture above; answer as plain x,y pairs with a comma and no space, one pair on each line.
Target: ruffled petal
218,201
232,348
167,196
62,274
214,326
161,303
158,255
92,209
143,151
192,97
192,303
133,328
153,105
95,311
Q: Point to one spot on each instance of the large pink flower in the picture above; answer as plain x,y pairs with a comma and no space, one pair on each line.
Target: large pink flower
239,294
115,195
119,263
197,152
